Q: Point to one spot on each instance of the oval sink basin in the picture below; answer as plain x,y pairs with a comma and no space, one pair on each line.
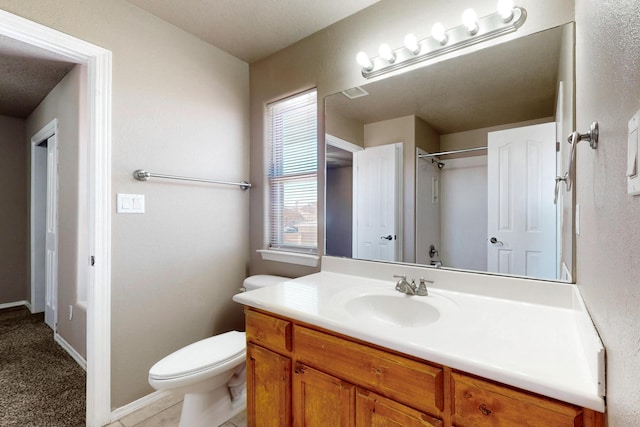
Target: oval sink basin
397,310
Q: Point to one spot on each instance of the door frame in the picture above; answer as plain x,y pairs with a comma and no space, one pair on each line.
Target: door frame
346,146
96,69
49,130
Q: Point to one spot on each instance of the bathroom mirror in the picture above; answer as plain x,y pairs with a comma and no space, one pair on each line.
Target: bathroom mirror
453,164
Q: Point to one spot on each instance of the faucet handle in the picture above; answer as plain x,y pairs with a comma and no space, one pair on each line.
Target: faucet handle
422,287
400,276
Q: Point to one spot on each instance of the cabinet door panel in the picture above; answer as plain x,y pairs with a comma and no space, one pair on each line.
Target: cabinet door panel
483,403
373,410
268,388
321,400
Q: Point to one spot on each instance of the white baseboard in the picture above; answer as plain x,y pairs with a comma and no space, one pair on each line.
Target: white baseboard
72,351
15,304
136,405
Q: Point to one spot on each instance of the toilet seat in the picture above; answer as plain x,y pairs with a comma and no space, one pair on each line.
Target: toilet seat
201,357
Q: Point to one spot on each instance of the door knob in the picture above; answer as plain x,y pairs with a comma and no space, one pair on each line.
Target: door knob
389,237
494,241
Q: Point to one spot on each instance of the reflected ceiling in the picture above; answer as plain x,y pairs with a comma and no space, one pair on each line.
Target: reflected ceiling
455,98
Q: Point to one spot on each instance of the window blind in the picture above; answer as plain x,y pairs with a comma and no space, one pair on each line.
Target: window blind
292,172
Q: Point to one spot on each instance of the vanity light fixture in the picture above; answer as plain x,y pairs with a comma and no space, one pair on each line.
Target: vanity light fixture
470,21
505,9
386,53
411,43
439,33
474,30
364,61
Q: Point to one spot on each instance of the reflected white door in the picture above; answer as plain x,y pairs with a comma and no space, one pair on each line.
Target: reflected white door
521,213
377,203
51,252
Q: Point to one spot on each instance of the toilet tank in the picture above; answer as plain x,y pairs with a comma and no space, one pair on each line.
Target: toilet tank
261,280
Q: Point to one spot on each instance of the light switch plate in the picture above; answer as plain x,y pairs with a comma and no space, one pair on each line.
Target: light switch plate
130,203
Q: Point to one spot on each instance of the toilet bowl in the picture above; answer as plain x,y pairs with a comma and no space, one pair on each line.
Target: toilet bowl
209,372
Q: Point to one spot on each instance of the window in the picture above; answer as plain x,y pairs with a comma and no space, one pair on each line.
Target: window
292,164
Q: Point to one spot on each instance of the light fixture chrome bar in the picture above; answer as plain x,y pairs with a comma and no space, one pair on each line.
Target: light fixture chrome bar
444,153
489,27
142,175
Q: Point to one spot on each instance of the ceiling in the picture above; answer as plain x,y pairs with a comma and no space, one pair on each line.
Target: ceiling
27,74
252,29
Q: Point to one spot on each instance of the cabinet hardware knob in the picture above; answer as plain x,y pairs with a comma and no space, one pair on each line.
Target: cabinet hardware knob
484,410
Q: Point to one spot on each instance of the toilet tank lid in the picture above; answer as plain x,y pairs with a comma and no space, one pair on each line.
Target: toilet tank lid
262,280
200,355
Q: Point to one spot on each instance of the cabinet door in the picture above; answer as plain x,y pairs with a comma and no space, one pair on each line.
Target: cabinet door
373,410
268,388
321,400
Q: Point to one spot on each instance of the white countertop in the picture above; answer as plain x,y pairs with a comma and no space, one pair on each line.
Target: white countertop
546,348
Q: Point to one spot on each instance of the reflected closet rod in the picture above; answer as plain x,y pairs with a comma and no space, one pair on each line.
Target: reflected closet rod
444,153
142,175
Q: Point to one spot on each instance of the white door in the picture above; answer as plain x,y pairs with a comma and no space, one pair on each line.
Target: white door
521,214
377,203
51,252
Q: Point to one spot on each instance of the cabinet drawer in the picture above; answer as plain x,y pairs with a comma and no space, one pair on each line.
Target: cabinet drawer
415,384
268,331
483,403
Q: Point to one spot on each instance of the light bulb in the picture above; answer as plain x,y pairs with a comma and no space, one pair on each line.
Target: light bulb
364,61
505,9
411,43
470,21
438,33
386,53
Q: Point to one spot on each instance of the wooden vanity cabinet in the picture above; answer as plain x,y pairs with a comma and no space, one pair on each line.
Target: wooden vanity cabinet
298,375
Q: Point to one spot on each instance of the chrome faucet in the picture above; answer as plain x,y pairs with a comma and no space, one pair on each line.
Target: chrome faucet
404,286
410,288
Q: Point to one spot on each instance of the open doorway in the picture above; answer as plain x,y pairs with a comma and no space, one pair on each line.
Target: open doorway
95,65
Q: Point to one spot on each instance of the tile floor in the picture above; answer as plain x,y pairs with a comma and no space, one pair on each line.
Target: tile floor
166,413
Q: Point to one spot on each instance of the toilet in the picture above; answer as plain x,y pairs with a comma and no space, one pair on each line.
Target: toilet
209,372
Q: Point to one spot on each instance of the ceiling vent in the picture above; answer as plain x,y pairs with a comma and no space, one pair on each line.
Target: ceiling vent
355,92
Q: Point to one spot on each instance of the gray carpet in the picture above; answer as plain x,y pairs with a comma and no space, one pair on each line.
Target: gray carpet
40,384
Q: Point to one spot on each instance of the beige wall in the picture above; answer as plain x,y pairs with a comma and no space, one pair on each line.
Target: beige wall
327,60
608,247
344,128
13,212
63,103
180,106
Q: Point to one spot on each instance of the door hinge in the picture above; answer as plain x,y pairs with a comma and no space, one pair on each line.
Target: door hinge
92,260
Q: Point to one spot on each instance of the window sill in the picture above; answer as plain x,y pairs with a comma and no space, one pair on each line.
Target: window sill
289,257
